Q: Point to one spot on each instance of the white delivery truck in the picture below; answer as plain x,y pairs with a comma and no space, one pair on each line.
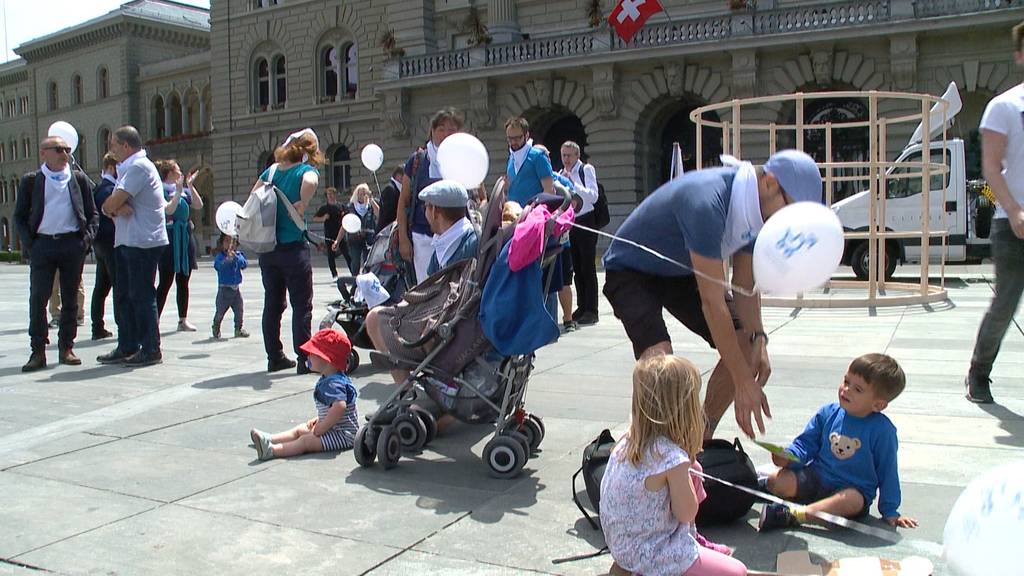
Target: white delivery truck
955,205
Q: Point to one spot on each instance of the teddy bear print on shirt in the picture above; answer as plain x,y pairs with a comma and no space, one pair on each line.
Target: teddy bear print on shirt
843,447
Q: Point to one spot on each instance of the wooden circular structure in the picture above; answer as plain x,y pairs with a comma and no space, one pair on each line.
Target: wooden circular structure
743,127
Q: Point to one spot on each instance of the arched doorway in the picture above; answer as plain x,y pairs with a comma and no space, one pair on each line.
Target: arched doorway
265,161
552,127
665,122
966,127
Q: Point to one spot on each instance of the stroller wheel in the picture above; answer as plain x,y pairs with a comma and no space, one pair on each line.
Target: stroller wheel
365,452
523,440
533,429
389,447
505,456
411,431
429,422
353,361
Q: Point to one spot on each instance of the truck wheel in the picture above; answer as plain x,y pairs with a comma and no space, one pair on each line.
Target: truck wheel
861,264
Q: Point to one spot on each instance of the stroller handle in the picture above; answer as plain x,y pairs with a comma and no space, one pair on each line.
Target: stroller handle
566,195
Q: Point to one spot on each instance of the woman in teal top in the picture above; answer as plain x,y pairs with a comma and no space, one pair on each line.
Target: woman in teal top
287,270
177,262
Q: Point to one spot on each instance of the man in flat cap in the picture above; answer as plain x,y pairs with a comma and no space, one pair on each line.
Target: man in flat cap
701,220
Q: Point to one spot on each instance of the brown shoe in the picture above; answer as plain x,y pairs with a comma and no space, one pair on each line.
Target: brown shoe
37,361
67,356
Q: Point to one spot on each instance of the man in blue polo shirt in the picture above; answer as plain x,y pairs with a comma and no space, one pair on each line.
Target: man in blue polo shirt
701,220
529,169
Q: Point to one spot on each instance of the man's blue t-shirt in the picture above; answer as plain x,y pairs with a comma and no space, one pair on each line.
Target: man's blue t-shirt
851,452
290,182
685,214
526,183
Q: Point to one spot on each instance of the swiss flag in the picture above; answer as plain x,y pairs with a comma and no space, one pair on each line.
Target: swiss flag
629,16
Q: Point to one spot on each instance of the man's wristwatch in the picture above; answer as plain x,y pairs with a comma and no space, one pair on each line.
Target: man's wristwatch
759,334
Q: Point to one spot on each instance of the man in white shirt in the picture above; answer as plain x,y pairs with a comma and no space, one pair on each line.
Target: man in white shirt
1002,163
56,219
140,237
583,244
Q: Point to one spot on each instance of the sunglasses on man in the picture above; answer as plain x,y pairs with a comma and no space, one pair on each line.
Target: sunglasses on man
64,149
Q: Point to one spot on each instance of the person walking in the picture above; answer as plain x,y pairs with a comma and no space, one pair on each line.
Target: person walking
56,219
137,207
103,249
1002,165
330,214
583,244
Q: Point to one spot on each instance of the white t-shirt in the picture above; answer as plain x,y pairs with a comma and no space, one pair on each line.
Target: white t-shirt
1005,115
146,227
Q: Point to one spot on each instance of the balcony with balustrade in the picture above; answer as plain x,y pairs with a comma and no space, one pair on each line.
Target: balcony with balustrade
749,28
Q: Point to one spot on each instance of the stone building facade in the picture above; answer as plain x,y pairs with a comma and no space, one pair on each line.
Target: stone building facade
362,71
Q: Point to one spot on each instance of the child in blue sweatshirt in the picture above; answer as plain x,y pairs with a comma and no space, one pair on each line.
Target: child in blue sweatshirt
846,453
229,264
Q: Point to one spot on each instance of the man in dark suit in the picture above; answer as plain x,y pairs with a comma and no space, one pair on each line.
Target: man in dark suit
103,249
389,199
56,218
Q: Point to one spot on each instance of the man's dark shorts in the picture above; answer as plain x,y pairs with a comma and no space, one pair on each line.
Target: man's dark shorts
810,488
638,300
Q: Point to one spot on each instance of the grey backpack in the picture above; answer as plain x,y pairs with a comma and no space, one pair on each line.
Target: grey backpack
257,221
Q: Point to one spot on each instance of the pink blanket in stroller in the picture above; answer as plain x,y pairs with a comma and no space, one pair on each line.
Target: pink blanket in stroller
528,239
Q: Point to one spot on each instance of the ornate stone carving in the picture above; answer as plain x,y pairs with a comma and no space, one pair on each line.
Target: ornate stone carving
744,73
481,103
396,112
821,64
903,60
674,77
604,90
542,88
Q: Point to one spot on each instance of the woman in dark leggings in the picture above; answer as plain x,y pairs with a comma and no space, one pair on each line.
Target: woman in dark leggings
179,258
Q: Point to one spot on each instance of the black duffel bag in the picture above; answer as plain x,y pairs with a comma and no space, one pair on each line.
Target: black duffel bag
725,460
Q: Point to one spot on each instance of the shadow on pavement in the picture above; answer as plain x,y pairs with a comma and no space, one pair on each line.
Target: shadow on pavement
255,380
1009,421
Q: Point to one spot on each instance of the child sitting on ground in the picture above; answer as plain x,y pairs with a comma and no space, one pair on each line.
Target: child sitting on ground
229,263
337,422
846,453
648,499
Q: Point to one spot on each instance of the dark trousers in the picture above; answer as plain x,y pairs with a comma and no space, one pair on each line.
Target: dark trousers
135,299
356,255
287,271
228,297
583,248
106,276
332,255
167,277
47,256
1008,256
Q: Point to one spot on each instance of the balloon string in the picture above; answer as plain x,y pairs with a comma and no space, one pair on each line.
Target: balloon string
659,255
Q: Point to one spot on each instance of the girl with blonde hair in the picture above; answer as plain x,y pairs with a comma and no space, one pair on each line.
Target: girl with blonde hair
648,496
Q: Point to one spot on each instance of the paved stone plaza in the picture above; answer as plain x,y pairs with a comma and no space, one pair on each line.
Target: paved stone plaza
105,470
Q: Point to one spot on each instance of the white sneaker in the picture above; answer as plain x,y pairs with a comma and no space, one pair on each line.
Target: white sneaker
261,441
186,326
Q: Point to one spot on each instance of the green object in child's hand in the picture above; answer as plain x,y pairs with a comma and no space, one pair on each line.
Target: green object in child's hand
777,450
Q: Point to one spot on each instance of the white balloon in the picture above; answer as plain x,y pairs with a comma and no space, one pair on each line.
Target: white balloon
799,248
225,217
66,132
372,157
984,528
463,158
351,223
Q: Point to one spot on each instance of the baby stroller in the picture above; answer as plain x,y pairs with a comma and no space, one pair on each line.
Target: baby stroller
453,363
386,263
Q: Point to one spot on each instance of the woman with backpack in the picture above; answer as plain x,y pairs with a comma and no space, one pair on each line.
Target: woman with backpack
287,270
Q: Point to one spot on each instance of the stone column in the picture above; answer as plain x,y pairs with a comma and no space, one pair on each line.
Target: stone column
186,119
501,21
203,115
167,119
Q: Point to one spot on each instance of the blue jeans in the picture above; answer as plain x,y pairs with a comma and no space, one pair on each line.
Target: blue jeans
1008,255
287,271
135,299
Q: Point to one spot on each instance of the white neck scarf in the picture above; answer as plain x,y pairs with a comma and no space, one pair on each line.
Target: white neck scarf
435,167
60,178
361,208
131,160
519,156
446,243
743,219
109,178
398,185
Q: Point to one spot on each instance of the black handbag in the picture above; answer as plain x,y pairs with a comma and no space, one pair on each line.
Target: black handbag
725,460
595,460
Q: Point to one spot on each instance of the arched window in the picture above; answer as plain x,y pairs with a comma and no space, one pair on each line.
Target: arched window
174,107
159,118
51,96
206,110
262,88
3,193
351,70
102,83
13,149
23,109
76,89
341,169
26,147
331,72
3,152
102,145
80,155
280,83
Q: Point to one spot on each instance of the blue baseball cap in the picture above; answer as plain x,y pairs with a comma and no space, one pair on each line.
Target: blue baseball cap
798,175
445,194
